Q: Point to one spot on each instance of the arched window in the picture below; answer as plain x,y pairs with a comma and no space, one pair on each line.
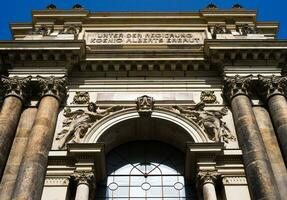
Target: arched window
145,170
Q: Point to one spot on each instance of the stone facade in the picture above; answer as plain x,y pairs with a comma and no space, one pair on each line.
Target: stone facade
77,84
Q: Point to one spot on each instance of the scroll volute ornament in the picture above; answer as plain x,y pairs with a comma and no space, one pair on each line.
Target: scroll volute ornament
272,85
53,86
16,86
236,85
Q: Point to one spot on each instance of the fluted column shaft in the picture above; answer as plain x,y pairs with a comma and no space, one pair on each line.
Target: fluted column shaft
258,169
31,176
17,151
15,93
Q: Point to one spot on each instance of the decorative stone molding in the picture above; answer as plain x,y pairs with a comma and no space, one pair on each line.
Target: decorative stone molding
16,86
81,98
145,105
236,85
209,120
207,177
208,96
78,122
234,180
272,85
52,86
56,181
83,177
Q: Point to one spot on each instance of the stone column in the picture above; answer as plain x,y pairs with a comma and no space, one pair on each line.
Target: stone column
15,91
273,149
207,182
17,151
273,93
84,181
30,179
258,169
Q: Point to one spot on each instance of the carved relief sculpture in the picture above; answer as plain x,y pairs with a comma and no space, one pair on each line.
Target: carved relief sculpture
74,29
209,120
78,122
208,97
145,105
43,30
81,98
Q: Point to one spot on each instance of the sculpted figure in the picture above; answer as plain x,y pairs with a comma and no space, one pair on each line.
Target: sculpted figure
79,121
210,121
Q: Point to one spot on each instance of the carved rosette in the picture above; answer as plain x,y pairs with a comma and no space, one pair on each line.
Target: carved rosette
207,177
272,85
145,105
83,177
53,86
237,85
16,86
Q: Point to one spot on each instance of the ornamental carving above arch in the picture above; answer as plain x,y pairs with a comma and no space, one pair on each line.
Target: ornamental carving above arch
77,124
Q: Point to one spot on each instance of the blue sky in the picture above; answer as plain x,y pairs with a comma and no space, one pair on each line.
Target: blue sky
20,10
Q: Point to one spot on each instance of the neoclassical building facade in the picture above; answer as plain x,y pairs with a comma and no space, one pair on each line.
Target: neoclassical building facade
162,105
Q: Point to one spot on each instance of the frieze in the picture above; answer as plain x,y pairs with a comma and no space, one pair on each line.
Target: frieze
56,181
234,180
145,38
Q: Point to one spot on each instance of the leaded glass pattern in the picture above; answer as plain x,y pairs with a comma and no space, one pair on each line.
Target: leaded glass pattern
145,170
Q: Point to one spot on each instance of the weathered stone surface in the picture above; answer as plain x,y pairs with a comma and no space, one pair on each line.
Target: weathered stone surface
258,169
17,151
10,113
278,110
272,147
30,179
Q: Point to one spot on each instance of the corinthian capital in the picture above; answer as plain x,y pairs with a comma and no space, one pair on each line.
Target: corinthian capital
16,86
207,176
83,177
236,85
272,85
52,86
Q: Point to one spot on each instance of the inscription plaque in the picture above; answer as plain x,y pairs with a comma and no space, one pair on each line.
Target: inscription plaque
145,38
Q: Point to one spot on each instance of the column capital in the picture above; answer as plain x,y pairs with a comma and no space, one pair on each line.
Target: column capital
207,177
53,86
83,177
237,85
16,86
272,85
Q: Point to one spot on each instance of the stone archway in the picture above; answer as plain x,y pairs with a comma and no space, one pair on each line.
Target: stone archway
163,125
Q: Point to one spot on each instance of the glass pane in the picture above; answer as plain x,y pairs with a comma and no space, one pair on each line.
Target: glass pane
145,170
